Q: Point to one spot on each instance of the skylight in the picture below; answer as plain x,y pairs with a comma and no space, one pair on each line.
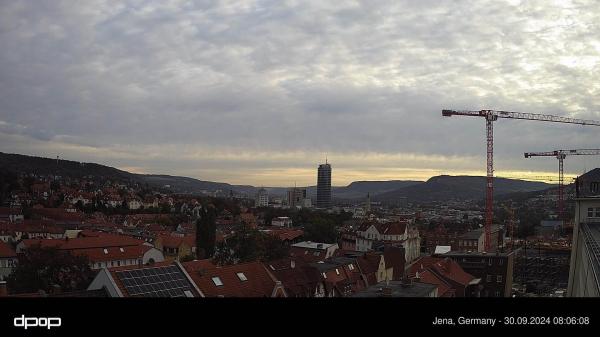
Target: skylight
242,277
217,281
105,251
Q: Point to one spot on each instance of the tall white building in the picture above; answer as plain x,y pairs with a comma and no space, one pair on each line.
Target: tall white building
262,198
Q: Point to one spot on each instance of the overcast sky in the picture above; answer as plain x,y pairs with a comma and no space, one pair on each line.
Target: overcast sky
259,92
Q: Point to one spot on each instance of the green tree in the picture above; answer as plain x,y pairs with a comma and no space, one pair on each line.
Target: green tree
42,268
206,232
321,230
249,244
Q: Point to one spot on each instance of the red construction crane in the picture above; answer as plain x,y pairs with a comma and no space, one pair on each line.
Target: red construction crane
561,155
491,116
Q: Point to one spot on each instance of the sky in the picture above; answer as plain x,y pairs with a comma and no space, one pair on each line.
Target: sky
261,92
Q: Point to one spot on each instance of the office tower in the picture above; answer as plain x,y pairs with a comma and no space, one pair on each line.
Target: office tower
324,186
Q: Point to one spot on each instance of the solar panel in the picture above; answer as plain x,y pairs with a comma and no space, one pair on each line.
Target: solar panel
167,281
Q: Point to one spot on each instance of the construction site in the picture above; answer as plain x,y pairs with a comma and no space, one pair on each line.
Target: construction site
541,265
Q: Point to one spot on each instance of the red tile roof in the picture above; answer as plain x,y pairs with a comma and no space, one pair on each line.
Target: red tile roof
170,241
453,271
104,240
286,234
444,289
113,253
259,283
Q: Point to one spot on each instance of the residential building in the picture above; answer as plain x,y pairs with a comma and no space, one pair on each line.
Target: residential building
474,240
584,272
494,269
177,247
313,251
400,233
11,214
447,274
250,279
298,278
324,186
152,280
103,250
8,260
281,221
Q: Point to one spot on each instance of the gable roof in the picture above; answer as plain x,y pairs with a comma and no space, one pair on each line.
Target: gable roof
113,253
161,279
258,282
103,240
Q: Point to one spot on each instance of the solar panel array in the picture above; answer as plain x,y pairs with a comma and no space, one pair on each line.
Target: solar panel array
167,281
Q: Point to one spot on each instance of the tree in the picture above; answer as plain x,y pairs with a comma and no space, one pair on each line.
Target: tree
249,244
206,232
321,230
43,268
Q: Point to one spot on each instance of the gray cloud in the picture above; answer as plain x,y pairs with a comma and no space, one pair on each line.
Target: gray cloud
287,76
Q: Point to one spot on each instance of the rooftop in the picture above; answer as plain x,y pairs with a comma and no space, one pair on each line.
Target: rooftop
398,289
313,245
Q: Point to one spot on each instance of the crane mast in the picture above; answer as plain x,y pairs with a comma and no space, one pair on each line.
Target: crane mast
561,155
490,117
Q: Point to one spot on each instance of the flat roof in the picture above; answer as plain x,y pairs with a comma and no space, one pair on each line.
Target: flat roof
313,245
415,289
473,253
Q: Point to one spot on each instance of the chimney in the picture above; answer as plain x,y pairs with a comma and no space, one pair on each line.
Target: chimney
56,290
386,292
3,289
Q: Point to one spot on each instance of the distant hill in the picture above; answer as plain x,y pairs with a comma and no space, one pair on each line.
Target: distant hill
46,166
66,168
356,190
458,187
436,188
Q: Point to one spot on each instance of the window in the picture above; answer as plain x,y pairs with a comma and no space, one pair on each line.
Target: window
324,275
217,281
501,261
105,251
590,212
242,277
597,215
121,249
351,266
118,263
490,262
594,187
488,278
337,271
499,278
497,294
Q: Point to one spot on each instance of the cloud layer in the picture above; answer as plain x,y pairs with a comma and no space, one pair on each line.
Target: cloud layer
259,92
